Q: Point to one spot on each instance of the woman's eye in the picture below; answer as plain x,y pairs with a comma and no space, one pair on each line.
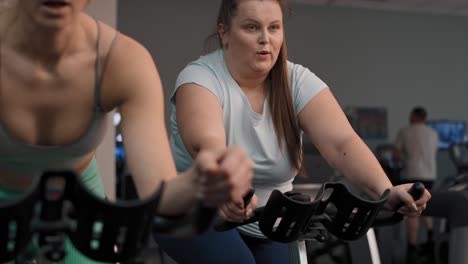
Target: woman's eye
252,27
275,27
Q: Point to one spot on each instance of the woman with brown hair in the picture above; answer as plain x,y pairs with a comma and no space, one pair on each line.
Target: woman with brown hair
246,93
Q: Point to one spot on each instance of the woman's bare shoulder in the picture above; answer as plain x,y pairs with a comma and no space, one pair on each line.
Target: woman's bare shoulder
130,67
109,37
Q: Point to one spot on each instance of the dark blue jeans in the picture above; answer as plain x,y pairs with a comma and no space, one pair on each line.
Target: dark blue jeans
224,248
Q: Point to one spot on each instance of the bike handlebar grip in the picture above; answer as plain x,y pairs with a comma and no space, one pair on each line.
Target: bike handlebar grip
416,191
226,225
204,219
248,197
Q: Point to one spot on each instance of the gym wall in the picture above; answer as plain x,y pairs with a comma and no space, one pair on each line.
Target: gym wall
367,57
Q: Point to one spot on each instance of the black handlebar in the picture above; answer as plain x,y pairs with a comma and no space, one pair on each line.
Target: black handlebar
195,222
416,191
226,225
59,205
334,210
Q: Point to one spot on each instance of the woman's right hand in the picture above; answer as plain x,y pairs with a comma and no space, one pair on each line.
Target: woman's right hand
235,211
223,176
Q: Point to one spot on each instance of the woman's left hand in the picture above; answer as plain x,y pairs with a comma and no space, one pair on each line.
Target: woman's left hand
399,193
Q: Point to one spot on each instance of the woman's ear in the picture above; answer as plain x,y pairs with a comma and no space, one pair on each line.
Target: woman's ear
222,31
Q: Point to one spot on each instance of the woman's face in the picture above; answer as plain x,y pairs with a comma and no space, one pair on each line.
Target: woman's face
52,13
255,36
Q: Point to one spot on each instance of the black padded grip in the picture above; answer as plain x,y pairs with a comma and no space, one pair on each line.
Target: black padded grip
416,191
248,197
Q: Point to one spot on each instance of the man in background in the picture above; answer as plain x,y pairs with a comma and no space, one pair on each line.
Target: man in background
417,146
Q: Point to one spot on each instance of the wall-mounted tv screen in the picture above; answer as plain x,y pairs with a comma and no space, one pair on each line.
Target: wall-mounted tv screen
449,131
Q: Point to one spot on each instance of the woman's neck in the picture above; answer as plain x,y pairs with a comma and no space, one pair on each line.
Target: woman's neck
245,78
40,43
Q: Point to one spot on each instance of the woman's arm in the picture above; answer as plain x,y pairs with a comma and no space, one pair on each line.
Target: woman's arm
132,83
328,128
200,119
134,86
200,122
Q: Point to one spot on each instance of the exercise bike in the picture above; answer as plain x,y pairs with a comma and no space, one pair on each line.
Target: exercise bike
335,211
58,206
448,203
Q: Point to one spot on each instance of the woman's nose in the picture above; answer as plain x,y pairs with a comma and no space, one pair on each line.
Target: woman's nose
263,38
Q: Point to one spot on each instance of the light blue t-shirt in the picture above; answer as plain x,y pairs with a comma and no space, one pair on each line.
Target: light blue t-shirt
244,127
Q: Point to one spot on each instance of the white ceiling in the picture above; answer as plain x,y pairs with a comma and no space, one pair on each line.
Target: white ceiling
448,7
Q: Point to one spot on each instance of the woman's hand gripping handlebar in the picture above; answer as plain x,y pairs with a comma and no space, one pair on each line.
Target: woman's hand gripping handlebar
223,225
416,191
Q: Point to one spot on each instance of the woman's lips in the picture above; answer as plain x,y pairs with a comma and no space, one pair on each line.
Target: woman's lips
54,8
54,3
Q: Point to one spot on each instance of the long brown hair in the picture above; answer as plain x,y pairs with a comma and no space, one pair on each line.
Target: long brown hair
279,90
